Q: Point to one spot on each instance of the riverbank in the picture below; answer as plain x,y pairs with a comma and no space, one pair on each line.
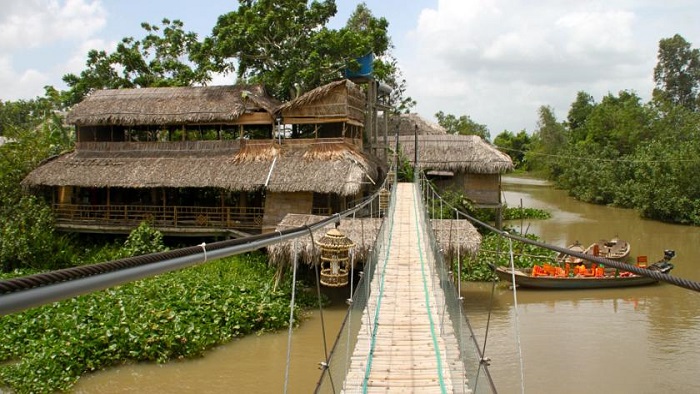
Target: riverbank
173,316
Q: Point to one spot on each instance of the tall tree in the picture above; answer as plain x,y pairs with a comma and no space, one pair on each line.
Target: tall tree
547,141
166,56
620,122
580,109
285,43
463,125
677,73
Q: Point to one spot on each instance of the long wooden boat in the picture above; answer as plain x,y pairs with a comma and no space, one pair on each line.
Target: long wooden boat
609,279
613,249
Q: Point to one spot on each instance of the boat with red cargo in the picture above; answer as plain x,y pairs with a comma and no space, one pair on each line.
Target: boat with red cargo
580,276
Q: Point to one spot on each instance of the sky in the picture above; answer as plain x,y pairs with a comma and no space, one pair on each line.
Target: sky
496,61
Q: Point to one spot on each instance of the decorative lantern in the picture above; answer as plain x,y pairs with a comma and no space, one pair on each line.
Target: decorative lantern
335,254
390,177
384,196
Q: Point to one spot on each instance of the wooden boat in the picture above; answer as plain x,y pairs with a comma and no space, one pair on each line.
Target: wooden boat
563,258
608,278
613,249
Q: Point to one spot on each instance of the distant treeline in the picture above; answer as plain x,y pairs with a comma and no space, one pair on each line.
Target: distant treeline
624,152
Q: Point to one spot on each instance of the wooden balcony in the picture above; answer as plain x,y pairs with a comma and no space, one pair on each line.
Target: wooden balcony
170,220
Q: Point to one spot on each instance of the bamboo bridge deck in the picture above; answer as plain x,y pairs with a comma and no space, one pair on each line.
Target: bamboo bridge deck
407,352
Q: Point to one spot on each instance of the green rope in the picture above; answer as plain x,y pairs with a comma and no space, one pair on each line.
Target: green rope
427,299
373,341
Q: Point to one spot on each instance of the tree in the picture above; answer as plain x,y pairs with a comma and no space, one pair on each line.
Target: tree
26,222
578,113
285,43
677,73
546,142
515,145
620,122
463,125
166,56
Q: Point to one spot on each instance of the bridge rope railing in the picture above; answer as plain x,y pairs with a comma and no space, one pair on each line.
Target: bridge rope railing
360,313
471,373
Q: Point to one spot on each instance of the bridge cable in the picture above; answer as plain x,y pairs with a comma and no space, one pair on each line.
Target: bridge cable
517,316
373,333
320,310
427,297
659,276
291,317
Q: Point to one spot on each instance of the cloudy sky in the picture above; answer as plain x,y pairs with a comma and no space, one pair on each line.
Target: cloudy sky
496,61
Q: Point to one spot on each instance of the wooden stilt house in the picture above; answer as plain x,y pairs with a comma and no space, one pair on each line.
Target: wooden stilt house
205,161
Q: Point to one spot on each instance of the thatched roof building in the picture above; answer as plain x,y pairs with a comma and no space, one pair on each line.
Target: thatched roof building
323,166
173,106
335,102
450,234
409,124
456,153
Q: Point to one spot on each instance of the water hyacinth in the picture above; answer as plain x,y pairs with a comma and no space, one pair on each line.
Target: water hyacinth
172,316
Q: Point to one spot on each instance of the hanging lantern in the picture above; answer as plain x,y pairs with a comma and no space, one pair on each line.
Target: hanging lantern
390,177
384,196
335,252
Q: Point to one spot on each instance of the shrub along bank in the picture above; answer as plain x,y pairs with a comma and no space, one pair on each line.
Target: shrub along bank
174,315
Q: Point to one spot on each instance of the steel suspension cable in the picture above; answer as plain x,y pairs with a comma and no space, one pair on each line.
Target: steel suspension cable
22,293
680,282
291,318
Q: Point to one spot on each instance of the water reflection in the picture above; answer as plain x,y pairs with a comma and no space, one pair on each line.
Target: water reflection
632,340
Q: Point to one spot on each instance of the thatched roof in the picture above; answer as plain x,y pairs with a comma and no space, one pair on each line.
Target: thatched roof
457,153
338,101
170,105
450,234
410,123
323,166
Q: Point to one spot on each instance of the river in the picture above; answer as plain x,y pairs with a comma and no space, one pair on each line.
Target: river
633,340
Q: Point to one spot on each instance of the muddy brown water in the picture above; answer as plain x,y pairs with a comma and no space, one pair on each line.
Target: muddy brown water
633,340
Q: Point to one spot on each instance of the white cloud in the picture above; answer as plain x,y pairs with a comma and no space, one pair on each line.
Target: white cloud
20,85
38,40
498,61
34,23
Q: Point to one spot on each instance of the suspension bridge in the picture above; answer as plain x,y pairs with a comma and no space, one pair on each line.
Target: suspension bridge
405,329
402,342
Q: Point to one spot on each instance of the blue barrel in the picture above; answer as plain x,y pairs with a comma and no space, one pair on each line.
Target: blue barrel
365,70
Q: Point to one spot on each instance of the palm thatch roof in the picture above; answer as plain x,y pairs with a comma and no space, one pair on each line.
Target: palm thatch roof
409,124
171,105
323,166
456,153
450,234
338,101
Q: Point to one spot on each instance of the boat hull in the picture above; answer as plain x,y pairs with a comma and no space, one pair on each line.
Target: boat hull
571,283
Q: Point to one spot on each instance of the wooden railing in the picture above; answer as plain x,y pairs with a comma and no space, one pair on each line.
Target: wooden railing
160,216
239,218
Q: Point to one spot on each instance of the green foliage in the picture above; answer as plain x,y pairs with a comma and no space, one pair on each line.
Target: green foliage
515,145
495,249
144,240
677,73
166,56
26,236
405,169
175,315
463,125
517,213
